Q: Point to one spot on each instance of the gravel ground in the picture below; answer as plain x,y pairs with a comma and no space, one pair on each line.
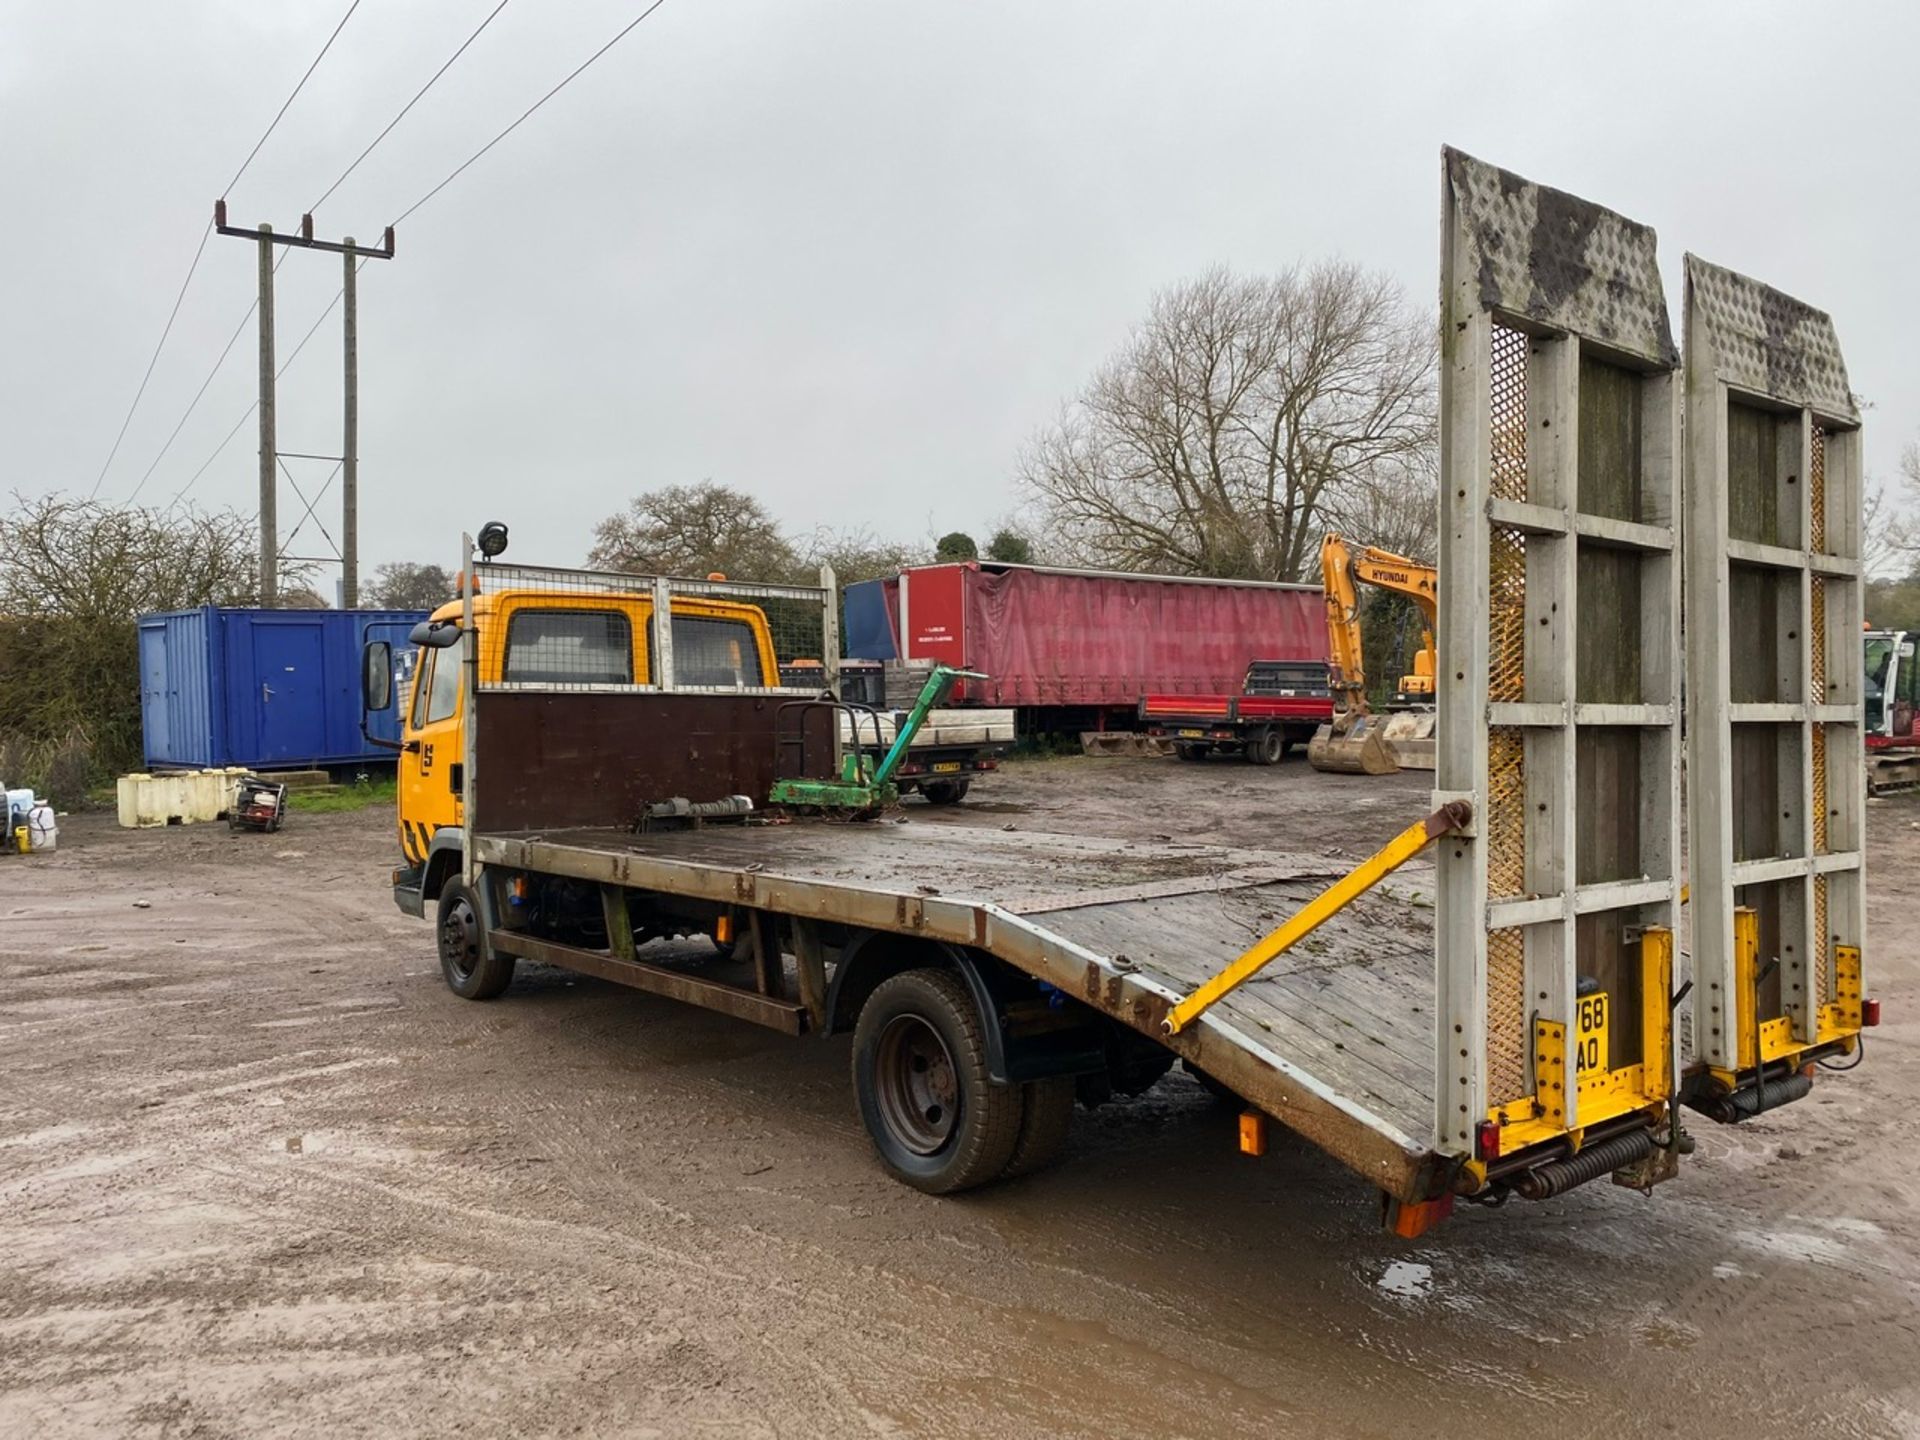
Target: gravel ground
260,1173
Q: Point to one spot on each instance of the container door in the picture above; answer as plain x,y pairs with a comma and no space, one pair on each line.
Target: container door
153,694
290,692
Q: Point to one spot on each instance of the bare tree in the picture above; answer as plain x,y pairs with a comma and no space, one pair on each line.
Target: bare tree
1397,508
695,530
81,559
402,585
1238,421
74,577
855,554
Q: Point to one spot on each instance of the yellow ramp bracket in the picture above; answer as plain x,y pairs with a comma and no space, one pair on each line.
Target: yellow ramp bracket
1323,907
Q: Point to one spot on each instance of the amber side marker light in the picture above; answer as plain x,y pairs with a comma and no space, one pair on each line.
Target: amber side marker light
1253,1133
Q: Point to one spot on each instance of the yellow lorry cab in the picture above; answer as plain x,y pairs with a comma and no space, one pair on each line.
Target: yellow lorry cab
550,639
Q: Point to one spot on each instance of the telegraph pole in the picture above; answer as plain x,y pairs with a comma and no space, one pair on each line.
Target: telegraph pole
270,452
350,437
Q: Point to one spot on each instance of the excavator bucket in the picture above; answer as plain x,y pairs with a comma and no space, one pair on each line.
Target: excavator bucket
1352,745
1409,737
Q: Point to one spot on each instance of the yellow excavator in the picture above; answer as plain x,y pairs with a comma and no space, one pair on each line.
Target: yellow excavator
1358,742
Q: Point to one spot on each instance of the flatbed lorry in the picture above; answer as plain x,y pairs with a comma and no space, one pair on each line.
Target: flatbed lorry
552,811
590,764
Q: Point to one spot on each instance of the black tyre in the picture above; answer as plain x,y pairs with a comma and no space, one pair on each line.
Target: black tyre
945,792
1187,751
1266,746
472,970
920,1077
1044,1123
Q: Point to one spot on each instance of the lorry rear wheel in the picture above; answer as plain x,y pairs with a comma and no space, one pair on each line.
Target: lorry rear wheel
945,792
920,1078
472,970
1047,1118
1266,746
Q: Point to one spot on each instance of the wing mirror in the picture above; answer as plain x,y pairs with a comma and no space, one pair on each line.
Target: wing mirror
435,634
376,676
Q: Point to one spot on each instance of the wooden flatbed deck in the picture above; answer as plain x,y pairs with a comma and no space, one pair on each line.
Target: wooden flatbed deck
1335,1038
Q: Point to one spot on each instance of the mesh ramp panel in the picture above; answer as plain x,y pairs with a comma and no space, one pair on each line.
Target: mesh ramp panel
1505,824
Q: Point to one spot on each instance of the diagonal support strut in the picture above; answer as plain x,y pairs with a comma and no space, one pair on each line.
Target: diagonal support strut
1456,815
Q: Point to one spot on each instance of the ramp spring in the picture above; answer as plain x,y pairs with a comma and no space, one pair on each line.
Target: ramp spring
1745,1104
1559,1176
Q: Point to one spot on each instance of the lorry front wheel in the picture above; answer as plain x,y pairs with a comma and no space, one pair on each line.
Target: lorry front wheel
472,970
920,1076
945,792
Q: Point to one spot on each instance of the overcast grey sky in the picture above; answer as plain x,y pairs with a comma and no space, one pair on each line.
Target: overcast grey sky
847,256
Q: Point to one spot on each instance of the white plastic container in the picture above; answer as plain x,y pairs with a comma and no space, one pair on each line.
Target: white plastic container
180,797
43,828
14,810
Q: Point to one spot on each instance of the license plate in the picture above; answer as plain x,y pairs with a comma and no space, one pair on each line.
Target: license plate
1590,1035
1192,734
946,767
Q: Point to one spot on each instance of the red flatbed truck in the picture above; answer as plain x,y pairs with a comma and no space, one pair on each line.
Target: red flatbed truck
1281,704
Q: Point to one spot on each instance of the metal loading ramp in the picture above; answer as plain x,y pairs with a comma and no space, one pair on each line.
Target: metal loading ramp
1334,1039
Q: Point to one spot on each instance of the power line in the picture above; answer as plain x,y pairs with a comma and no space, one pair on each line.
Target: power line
165,331
254,305
625,31
455,174
408,106
194,265
194,403
290,99
247,414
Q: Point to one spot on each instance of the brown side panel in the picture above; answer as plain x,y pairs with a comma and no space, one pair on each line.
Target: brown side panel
549,760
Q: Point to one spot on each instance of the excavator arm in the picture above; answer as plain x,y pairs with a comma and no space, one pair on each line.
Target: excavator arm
1353,743
1344,569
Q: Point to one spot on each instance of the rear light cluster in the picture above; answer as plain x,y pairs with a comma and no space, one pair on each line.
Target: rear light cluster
1486,1140
1869,1013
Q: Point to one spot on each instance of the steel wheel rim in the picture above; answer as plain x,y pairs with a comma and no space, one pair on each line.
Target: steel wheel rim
917,1085
459,938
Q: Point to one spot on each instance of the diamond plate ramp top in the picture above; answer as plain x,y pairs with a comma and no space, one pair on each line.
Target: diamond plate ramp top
1769,343
1561,260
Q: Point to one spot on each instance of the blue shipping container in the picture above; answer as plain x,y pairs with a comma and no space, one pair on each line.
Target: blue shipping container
268,689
